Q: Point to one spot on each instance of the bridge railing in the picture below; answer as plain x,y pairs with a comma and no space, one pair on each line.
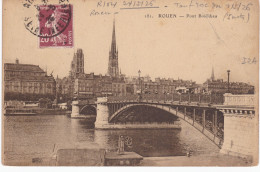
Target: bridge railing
199,98
123,98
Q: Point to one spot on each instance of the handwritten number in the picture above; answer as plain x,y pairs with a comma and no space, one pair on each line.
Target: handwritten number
151,3
138,3
244,60
249,60
254,60
247,7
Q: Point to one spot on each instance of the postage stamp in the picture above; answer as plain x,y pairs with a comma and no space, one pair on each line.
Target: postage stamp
51,22
55,22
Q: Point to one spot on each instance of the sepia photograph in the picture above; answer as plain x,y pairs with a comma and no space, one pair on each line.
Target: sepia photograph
130,83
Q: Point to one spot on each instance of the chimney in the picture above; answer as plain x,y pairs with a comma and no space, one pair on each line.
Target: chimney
16,61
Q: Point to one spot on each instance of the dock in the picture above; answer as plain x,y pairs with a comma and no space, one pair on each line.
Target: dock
125,159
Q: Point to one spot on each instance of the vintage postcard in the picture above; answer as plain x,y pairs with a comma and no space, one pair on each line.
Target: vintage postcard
130,83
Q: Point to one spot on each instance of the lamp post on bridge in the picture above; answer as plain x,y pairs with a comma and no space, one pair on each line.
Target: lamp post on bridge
228,72
139,73
140,87
166,96
156,95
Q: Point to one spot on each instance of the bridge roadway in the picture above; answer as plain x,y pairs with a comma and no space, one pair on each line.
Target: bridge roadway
198,98
191,99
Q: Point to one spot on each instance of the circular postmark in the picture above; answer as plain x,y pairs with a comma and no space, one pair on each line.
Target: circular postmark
47,20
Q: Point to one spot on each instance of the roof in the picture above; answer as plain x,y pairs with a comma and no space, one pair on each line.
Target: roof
22,67
31,78
26,68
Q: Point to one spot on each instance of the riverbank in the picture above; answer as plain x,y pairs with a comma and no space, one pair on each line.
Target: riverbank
200,160
35,111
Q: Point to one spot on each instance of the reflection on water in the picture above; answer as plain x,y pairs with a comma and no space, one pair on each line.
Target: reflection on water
26,137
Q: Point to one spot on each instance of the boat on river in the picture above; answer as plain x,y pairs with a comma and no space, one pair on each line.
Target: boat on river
19,112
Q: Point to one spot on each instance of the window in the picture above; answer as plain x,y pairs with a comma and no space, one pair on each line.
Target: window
48,88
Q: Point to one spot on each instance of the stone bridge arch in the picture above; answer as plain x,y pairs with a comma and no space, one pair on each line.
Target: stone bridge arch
210,135
88,109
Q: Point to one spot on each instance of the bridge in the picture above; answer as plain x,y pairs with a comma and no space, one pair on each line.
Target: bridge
206,113
84,109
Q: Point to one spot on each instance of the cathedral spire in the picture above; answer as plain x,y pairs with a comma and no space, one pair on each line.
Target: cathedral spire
113,43
113,70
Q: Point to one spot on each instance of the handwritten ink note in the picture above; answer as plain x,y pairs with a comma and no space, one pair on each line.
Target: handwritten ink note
235,10
249,60
197,9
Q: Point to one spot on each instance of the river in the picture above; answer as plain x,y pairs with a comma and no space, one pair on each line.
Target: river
27,137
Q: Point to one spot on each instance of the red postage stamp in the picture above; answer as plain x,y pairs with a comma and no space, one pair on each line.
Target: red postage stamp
56,26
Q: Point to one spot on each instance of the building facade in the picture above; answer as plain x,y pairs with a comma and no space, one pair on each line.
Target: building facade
213,85
65,88
220,86
118,88
27,82
146,85
90,86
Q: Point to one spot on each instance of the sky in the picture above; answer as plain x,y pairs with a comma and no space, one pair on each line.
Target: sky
184,48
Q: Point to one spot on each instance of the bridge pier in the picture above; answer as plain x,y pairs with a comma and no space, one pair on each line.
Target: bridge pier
75,109
102,113
240,126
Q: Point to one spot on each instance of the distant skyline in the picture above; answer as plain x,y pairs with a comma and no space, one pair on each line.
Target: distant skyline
142,75
166,48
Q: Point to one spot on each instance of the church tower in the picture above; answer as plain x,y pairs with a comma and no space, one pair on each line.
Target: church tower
113,70
77,64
